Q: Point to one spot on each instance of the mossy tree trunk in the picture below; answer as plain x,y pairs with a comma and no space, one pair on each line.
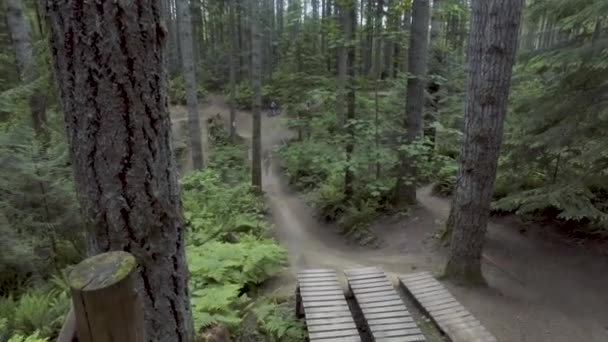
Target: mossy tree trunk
109,61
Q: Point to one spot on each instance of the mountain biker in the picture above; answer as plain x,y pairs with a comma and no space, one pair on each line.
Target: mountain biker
273,108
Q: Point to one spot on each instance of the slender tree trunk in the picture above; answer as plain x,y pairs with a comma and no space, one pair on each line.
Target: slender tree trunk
407,27
197,21
256,85
233,60
419,40
189,72
280,14
436,68
114,98
377,56
348,23
20,34
491,54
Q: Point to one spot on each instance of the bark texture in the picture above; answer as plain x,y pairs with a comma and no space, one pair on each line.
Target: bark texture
189,72
348,23
405,190
109,61
234,42
491,53
20,34
256,86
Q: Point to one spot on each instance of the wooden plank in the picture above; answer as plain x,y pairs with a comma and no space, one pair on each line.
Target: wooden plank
332,327
381,304
395,333
331,320
395,326
415,338
383,310
312,304
332,334
446,312
375,289
342,308
327,314
379,299
396,320
366,284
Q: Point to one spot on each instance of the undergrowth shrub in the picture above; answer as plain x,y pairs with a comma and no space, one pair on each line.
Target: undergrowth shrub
177,91
229,250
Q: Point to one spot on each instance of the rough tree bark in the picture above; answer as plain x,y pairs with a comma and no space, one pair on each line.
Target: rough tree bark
109,63
256,86
436,68
20,34
405,189
348,23
189,73
234,42
491,54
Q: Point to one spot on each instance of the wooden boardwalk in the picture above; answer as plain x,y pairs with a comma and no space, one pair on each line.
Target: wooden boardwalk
384,314
447,313
320,299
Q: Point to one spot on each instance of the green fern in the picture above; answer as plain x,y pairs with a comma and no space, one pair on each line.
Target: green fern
217,304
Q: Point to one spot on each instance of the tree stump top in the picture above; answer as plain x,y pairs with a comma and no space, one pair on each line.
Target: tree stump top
101,271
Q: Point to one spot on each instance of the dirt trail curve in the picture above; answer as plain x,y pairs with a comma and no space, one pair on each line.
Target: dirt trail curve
540,290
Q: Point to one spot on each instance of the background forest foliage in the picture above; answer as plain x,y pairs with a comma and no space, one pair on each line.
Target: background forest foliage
552,166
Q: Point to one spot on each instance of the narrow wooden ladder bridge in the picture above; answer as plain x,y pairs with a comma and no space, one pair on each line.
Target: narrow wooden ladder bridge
375,311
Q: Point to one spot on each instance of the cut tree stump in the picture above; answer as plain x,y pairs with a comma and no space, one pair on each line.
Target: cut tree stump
106,305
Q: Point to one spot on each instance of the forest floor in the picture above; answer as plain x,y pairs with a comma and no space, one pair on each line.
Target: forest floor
542,289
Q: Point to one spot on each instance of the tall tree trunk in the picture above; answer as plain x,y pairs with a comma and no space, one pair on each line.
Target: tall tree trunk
20,34
234,41
377,59
348,23
403,56
256,86
405,190
114,98
436,68
389,46
280,14
197,31
491,54
189,72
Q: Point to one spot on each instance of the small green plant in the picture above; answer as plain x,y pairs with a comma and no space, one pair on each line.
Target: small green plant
279,323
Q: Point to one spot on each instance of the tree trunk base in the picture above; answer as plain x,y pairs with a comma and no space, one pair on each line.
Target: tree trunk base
464,275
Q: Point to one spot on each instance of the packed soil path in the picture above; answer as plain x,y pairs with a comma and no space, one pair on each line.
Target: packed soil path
541,289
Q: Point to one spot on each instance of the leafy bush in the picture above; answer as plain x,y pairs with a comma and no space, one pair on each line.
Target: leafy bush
177,91
244,96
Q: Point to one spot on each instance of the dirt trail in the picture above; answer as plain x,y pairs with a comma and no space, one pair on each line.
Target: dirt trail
540,290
